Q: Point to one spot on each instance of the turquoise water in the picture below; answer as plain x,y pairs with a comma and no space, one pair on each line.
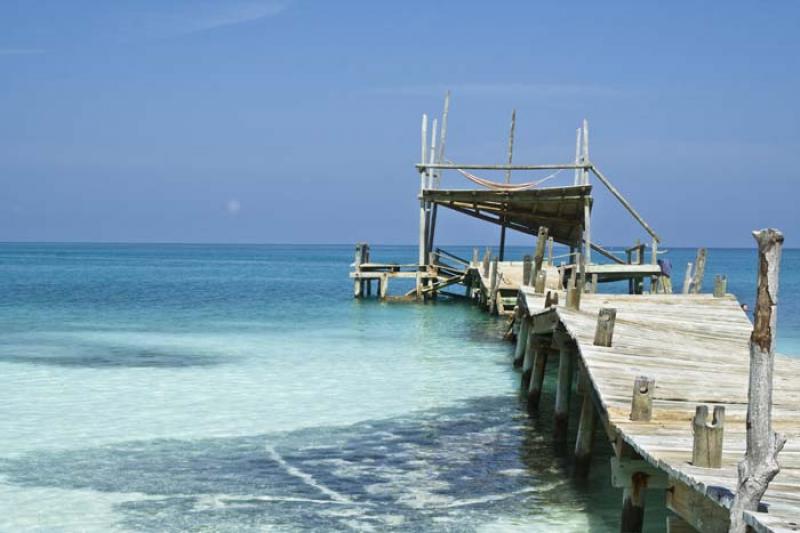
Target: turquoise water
241,388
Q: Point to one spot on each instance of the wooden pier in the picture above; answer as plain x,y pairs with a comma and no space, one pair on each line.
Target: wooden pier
680,384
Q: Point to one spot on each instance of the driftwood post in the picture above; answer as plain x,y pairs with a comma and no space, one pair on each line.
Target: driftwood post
538,256
699,271
760,463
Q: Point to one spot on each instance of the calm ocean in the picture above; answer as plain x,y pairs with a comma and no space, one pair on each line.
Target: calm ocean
241,388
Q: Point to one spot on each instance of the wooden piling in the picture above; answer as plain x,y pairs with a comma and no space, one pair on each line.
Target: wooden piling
476,255
487,257
522,341
528,360
720,286
494,283
574,288
633,499
604,333
550,251
642,401
707,447
699,271
384,286
760,463
586,428
566,356
537,373
687,278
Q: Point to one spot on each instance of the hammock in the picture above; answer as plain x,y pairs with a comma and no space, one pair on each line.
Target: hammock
506,186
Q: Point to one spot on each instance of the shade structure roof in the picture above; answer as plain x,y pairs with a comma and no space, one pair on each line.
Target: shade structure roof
560,209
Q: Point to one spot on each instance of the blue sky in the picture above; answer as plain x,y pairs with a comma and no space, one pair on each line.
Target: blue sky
298,121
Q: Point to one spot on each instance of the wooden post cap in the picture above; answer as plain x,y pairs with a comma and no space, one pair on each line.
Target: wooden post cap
642,402
707,448
604,333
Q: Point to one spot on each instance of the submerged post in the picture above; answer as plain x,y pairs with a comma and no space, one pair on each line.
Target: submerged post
760,463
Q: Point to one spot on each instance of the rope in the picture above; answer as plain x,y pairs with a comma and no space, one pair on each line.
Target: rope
506,186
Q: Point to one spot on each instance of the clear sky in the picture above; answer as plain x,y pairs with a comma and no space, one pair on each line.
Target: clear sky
298,121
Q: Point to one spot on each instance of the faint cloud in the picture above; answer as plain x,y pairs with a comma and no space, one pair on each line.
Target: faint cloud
231,14
233,206
501,89
20,51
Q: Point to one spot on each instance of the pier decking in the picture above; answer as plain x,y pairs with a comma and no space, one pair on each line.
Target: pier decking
648,366
695,348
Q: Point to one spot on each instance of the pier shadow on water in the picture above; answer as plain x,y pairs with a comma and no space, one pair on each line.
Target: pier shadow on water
478,466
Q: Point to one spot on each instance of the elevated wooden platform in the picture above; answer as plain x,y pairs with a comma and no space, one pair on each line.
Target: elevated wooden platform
695,347
560,209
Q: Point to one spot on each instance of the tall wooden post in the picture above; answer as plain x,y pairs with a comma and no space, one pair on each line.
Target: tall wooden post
502,253
423,228
699,271
578,172
760,463
538,256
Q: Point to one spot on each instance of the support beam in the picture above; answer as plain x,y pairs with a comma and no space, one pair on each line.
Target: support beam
613,190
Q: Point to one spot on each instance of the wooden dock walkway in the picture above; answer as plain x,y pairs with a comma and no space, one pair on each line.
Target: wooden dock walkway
696,349
649,366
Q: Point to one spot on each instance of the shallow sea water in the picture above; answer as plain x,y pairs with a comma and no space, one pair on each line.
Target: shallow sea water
241,388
